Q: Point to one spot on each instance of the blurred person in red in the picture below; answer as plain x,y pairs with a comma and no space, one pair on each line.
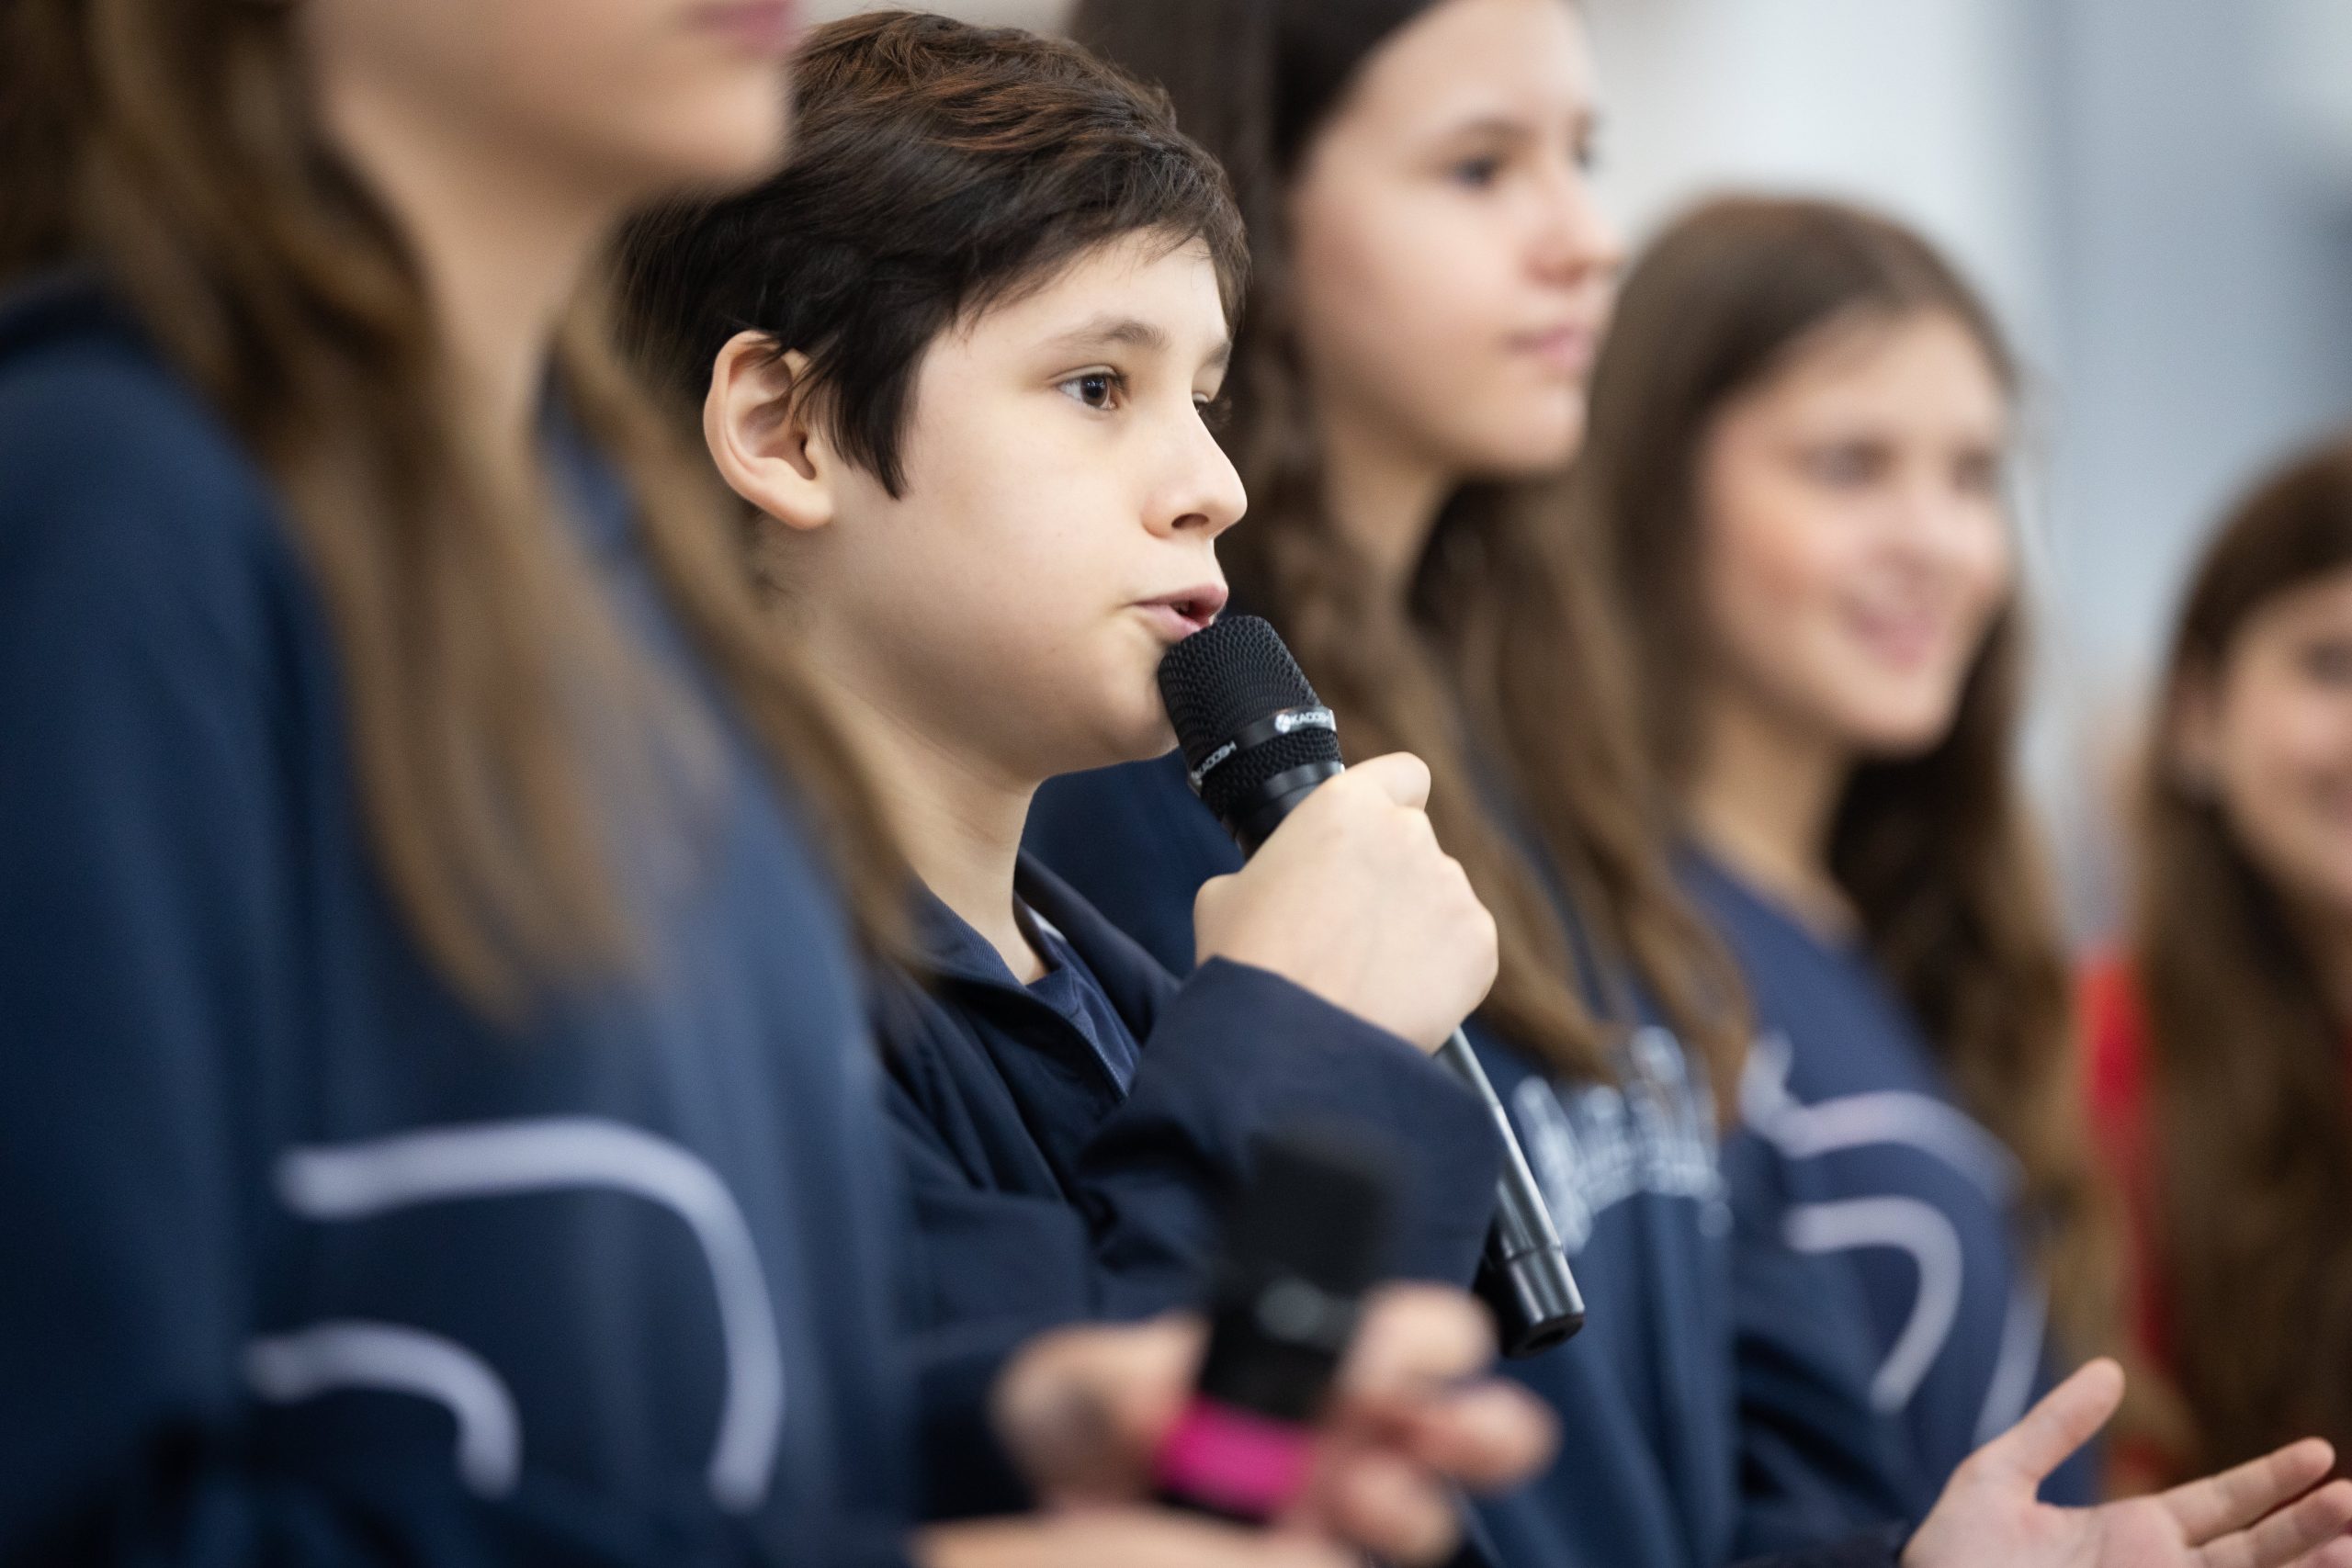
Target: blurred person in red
2219,1028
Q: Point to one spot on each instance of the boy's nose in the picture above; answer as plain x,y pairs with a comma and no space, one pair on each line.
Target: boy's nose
1206,496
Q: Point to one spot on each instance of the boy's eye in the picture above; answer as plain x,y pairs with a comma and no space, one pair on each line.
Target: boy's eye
1095,389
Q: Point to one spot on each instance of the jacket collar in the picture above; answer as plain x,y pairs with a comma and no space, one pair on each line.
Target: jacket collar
950,951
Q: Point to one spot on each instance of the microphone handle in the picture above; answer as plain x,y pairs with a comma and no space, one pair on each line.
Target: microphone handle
1525,1276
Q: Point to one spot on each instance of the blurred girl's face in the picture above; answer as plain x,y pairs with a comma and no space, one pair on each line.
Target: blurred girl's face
1855,548
1453,273
613,99
2271,739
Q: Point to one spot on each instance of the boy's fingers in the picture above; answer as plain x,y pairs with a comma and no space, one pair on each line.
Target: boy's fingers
2065,1420
1404,776
1488,1438
1391,1508
2238,1497
1080,1408
1414,1338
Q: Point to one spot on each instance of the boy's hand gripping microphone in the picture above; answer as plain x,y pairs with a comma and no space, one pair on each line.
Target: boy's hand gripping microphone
1256,741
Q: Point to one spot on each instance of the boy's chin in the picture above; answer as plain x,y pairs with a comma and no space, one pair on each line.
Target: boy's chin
1140,741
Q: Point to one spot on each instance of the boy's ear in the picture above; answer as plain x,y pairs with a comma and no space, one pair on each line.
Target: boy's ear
767,448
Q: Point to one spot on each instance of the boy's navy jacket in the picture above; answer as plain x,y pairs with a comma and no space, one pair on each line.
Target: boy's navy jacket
1676,1453
304,1264
1858,1149
1044,1195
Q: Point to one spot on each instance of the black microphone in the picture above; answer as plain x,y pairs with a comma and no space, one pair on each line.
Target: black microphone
1256,741
1303,1241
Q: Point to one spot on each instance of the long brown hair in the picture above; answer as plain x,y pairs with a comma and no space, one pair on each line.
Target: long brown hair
169,147
1937,853
2254,1219
1499,660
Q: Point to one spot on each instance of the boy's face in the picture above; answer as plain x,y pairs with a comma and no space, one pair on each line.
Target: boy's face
1057,528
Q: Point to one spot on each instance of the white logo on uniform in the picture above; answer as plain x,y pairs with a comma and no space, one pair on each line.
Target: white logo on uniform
1593,1146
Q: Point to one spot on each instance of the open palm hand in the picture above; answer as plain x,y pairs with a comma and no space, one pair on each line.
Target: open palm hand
2261,1515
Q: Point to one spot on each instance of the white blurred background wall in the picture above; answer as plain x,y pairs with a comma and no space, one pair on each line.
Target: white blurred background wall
2157,194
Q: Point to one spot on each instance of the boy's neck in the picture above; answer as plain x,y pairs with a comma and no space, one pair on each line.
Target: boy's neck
958,822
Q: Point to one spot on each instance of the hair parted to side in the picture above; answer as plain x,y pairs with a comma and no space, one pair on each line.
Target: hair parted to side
169,146
1502,664
2252,1247
1937,852
937,169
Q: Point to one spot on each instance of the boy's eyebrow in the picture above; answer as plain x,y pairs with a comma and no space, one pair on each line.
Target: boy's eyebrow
1131,332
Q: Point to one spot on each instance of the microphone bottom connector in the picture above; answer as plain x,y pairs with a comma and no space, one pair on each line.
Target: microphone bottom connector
1535,1301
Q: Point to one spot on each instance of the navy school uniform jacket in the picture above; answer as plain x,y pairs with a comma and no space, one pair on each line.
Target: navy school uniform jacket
1861,1154
1046,1192
304,1264
1675,1450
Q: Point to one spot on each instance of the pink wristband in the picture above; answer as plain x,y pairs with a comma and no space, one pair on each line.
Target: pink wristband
1234,1462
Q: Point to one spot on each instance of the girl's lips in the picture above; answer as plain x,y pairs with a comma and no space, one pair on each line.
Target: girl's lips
1567,349
1906,641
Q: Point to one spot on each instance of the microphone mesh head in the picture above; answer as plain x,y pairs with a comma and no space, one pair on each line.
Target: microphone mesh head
1224,677
1220,681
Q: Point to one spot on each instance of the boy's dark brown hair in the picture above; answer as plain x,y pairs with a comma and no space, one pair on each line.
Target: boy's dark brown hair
937,169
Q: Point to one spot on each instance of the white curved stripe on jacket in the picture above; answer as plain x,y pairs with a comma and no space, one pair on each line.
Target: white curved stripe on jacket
1910,1226
353,1354
488,1159
1855,1121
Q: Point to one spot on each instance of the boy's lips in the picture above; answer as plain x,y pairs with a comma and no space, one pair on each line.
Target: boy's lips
1179,614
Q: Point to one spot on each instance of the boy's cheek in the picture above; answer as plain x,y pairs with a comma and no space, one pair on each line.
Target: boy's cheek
1110,695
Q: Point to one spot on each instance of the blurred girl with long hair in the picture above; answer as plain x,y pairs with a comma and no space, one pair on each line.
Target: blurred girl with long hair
1797,475
2219,1031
